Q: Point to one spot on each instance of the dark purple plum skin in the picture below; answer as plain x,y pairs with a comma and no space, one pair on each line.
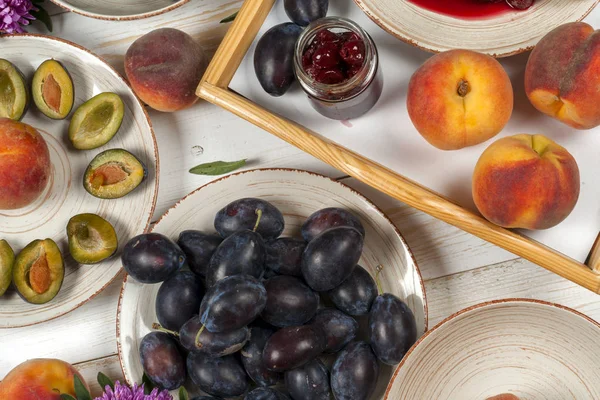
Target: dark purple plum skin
240,253
356,294
327,218
289,302
252,357
178,299
232,303
162,361
354,373
152,258
309,382
221,376
263,393
340,329
284,255
392,328
212,344
303,12
274,58
331,257
241,214
198,248
293,347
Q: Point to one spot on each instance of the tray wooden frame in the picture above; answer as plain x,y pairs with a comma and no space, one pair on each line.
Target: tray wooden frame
214,87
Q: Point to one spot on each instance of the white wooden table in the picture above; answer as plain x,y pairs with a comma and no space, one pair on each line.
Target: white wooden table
459,269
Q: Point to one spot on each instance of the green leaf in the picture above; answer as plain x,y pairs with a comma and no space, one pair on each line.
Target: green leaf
148,384
217,167
105,381
230,18
67,397
80,390
43,16
183,394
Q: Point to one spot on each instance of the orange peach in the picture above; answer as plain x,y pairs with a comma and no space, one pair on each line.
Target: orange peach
39,379
459,98
526,181
24,164
561,78
506,396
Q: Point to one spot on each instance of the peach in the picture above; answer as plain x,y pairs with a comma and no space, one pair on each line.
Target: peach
39,379
526,181
459,98
164,68
24,164
561,77
506,396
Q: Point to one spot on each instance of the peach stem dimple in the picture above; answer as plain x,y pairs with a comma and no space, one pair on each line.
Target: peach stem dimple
464,88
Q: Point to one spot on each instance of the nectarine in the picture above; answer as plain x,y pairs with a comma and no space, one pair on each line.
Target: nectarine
459,98
526,181
24,164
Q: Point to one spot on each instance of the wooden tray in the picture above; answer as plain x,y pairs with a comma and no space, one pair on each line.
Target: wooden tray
214,87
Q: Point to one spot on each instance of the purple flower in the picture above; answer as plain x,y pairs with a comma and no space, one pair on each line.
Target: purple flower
14,14
123,392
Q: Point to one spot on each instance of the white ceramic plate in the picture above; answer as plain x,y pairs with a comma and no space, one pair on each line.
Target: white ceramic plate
297,194
65,196
120,10
531,349
504,35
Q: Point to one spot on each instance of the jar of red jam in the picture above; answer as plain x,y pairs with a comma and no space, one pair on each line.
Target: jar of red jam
337,65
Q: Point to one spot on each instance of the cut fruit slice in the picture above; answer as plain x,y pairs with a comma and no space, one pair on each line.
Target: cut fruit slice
7,260
52,90
14,95
113,174
91,238
96,121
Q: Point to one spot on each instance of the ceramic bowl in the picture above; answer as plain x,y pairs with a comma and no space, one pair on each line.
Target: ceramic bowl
510,33
120,10
64,195
297,194
532,349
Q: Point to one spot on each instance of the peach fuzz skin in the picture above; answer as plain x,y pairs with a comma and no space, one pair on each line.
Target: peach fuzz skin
24,164
526,181
39,379
561,77
459,98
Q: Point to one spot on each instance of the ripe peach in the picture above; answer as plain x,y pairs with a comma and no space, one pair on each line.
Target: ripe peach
506,396
39,379
561,78
459,98
526,181
164,68
24,164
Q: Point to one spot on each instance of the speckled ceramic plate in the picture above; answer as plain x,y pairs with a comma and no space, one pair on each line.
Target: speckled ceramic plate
532,349
297,194
65,196
120,10
504,35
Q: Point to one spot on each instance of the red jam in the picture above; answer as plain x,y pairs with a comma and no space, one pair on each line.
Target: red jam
334,58
473,9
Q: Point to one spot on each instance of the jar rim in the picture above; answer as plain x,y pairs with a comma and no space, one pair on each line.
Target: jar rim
344,90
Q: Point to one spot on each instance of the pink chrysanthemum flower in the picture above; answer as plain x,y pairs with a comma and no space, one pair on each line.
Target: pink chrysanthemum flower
14,14
123,392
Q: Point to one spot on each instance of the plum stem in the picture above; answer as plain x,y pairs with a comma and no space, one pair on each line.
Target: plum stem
197,341
259,213
377,280
158,327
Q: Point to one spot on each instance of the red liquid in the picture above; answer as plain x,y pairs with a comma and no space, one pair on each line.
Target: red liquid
466,9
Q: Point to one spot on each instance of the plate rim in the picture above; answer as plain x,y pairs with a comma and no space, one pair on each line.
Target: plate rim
106,17
156,157
478,306
294,170
419,45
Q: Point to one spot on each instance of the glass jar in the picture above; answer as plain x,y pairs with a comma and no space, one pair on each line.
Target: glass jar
353,97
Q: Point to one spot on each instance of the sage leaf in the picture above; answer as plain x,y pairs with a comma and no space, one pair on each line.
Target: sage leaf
230,18
183,394
105,381
81,391
43,16
148,384
65,396
217,167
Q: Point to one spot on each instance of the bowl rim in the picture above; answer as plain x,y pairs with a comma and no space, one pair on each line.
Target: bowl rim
293,170
106,17
514,300
156,157
406,39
